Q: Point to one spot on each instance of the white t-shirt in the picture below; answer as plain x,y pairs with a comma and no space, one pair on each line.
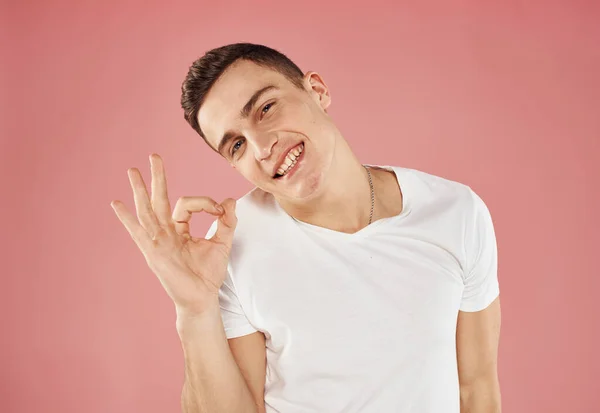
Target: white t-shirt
362,322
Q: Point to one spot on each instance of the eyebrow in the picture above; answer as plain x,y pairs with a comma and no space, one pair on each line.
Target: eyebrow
244,113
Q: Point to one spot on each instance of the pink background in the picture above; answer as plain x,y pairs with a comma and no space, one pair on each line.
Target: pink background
504,97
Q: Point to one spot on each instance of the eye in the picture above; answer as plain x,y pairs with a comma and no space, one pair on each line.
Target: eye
237,145
266,108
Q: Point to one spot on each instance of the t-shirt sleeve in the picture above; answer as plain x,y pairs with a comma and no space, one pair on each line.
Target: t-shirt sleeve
480,275
235,322
234,319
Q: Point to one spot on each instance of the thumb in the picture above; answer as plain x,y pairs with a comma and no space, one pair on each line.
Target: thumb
226,223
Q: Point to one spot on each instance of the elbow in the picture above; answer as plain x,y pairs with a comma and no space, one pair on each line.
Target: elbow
482,396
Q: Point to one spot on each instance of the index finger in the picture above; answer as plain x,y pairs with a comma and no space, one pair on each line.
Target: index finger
160,196
187,205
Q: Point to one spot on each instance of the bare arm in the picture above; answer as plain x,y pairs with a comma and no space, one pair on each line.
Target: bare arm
213,381
477,352
192,271
249,352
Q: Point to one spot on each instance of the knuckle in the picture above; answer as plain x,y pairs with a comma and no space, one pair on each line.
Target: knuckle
181,201
159,234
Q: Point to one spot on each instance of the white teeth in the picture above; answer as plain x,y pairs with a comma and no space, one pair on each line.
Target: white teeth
290,160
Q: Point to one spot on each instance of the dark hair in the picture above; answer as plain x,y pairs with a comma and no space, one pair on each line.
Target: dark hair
205,71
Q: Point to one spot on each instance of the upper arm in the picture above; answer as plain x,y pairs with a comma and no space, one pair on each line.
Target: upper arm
477,337
249,352
478,324
480,273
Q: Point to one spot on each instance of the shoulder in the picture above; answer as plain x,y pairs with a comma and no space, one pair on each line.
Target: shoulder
427,187
251,209
254,204
434,182
459,198
257,213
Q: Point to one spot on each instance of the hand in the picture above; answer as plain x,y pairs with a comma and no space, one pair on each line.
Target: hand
190,269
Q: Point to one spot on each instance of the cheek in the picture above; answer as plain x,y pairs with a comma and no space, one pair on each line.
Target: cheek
304,121
297,113
249,169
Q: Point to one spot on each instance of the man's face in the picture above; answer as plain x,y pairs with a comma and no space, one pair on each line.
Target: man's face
284,141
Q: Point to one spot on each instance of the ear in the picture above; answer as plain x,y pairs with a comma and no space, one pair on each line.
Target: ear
314,83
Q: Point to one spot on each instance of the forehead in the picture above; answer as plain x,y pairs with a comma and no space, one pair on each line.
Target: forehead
228,95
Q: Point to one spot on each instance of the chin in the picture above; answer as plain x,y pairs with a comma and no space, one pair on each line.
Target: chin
305,189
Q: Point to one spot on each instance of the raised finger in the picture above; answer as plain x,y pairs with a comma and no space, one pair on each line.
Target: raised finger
139,234
159,196
142,203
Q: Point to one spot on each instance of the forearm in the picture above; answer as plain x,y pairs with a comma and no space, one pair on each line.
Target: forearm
213,381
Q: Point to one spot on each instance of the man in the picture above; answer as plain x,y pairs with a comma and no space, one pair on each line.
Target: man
332,286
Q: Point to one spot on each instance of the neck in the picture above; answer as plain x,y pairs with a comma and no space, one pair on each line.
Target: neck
343,202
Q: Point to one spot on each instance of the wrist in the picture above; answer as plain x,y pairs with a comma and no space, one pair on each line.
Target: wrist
193,317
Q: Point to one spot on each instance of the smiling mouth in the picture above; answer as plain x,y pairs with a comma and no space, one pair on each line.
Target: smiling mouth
291,159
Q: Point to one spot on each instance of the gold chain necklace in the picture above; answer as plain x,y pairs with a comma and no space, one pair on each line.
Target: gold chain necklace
372,195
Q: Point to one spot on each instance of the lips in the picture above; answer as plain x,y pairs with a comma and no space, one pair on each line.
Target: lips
287,160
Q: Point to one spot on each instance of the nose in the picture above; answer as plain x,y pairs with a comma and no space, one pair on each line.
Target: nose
263,145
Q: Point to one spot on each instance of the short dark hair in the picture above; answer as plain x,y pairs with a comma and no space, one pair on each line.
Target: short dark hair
205,71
